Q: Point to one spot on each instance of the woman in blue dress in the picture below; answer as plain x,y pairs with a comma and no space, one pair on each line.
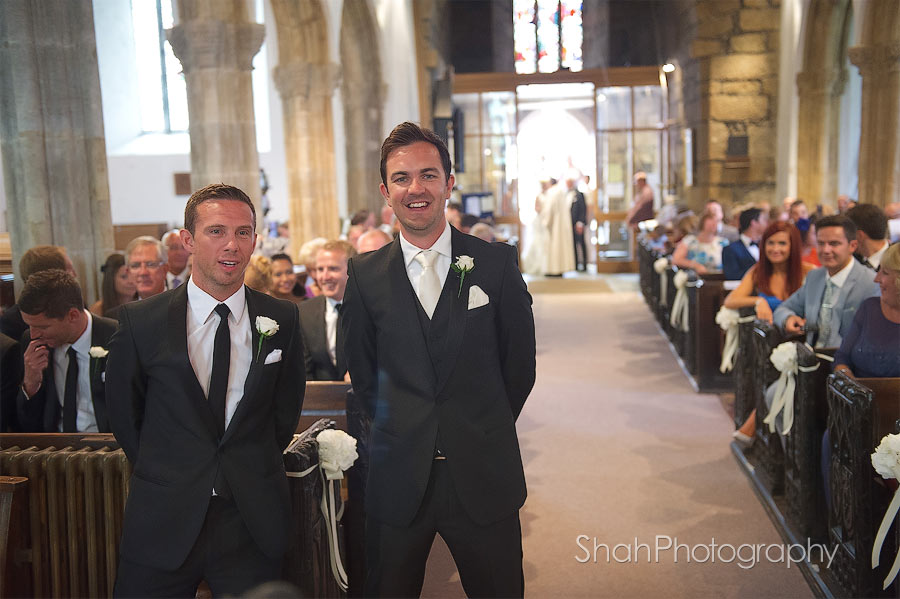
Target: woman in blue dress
779,273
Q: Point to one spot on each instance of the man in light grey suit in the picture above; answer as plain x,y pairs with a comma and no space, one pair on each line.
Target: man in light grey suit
825,305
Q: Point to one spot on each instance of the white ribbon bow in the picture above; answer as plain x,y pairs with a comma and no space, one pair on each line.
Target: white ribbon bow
337,452
729,320
681,311
660,266
886,461
784,357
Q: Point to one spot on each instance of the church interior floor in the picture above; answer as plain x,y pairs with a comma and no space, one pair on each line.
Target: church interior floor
618,448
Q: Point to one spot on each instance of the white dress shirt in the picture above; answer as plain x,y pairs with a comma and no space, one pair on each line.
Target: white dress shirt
751,247
202,322
331,318
875,259
840,277
442,246
85,420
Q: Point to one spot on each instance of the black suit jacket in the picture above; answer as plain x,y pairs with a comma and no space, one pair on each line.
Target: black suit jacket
163,421
11,371
736,260
315,343
468,403
11,323
41,413
579,209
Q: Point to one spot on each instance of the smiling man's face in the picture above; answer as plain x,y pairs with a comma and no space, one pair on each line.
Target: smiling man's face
417,188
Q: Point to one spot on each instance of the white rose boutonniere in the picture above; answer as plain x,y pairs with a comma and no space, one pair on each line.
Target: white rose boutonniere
97,353
463,266
266,327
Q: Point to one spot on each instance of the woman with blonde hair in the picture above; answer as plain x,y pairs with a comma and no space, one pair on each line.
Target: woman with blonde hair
258,275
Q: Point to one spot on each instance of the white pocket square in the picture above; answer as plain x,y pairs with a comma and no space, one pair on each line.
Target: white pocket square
274,356
477,297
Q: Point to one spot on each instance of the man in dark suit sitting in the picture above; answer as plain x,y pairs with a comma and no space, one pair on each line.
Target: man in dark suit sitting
443,359
205,386
738,257
11,369
320,317
63,387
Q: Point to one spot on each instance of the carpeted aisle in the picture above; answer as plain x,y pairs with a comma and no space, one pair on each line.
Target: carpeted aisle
618,448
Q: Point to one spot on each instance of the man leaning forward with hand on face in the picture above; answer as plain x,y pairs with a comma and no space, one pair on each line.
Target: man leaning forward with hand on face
204,392
438,336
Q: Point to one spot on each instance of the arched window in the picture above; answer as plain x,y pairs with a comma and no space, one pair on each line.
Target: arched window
547,35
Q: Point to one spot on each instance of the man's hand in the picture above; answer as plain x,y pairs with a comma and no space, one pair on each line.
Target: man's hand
37,357
579,228
347,377
794,324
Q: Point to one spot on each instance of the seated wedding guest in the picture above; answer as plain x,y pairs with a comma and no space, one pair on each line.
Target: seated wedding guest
845,203
871,348
11,366
738,257
354,233
482,231
178,268
284,280
807,228
63,384
467,222
147,259
454,213
702,251
320,316
372,240
364,218
387,220
307,257
117,287
824,307
723,229
684,225
258,275
779,273
36,259
797,211
871,233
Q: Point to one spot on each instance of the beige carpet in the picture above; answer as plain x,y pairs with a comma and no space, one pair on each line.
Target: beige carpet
616,447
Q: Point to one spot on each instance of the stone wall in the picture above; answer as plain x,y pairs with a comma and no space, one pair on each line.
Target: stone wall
736,51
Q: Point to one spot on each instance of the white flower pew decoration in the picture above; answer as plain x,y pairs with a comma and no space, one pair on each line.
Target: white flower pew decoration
784,357
660,266
681,310
337,453
729,320
886,461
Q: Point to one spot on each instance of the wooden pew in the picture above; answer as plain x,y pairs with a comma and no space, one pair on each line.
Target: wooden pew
860,413
804,486
324,399
768,454
708,339
744,371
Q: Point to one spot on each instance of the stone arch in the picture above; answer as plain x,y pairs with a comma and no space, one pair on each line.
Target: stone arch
877,56
362,91
819,88
306,79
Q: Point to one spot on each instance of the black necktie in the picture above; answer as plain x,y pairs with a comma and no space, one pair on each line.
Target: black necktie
70,397
218,382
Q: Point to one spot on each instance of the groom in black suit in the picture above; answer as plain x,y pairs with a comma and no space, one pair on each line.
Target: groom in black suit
443,357
203,397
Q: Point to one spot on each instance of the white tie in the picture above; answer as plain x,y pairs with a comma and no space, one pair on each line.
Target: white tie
429,282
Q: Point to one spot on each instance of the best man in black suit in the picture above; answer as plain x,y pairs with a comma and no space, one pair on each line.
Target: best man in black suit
320,316
204,394
444,360
63,386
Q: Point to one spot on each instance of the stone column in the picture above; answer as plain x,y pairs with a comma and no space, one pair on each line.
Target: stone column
51,131
879,142
306,90
216,44
362,127
819,110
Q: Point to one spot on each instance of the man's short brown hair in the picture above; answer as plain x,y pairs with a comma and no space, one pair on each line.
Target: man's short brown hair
838,220
41,257
51,293
406,134
216,191
339,245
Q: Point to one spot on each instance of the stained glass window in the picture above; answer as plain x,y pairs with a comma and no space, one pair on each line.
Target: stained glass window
547,35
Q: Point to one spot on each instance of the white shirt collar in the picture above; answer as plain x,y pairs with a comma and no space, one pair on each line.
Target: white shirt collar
202,304
442,246
841,276
875,259
82,345
332,303
747,241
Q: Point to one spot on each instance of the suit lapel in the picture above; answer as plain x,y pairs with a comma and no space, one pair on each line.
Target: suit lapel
97,366
177,333
256,364
459,299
